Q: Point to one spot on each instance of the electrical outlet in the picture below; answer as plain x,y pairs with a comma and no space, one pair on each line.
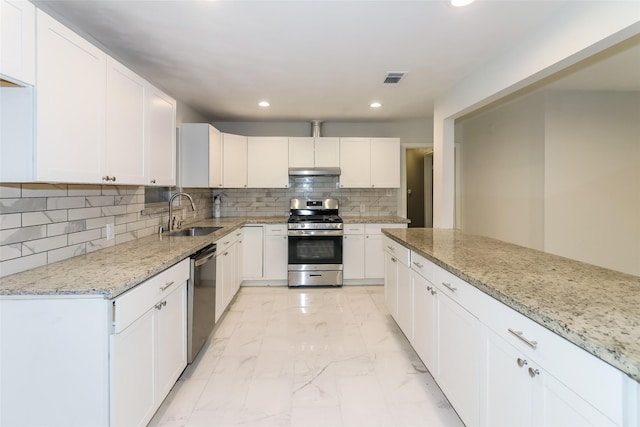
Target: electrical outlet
110,229
362,208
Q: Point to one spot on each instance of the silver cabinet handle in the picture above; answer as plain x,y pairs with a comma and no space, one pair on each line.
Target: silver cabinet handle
518,334
164,288
417,264
391,248
161,304
533,372
225,243
393,259
433,292
521,362
153,181
429,288
448,286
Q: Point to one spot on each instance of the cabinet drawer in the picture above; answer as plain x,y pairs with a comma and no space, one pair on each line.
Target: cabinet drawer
353,228
227,241
459,291
275,230
422,266
136,301
594,380
377,228
396,250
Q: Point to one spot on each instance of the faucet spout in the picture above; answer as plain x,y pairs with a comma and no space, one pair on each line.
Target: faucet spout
193,206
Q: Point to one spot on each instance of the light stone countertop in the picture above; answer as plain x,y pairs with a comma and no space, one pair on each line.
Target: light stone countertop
595,308
111,271
375,220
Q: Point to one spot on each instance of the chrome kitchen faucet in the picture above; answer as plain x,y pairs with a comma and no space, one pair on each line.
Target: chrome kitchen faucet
193,206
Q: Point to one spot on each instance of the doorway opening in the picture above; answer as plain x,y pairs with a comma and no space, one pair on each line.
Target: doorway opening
419,167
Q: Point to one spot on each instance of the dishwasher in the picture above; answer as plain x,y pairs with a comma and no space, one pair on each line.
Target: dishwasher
201,300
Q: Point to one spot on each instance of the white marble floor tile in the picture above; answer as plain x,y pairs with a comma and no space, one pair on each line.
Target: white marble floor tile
305,358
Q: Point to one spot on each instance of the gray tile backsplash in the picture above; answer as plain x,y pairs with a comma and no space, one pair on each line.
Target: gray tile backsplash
275,202
45,223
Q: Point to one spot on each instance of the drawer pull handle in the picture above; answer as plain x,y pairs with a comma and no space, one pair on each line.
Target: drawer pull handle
160,305
417,264
533,372
225,243
391,248
166,286
448,286
518,334
521,362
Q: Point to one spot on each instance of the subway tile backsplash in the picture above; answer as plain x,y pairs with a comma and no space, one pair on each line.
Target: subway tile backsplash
45,223
275,202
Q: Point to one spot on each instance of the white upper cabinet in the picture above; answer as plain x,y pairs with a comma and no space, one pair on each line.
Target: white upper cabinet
355,163
71,94
268,162
200,156
308,152
125,148
17,41
161,137
95,121
369,162
385,162
234,161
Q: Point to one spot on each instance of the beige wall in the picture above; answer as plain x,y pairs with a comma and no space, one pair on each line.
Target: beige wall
559,172
592,178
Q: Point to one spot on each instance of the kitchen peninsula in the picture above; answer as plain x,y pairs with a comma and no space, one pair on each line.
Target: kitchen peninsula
502,294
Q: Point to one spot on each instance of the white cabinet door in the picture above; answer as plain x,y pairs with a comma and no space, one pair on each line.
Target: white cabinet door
458,355
161,137
275,252
200,156
374,259
133,391
229,274
301,152
71,95
391,284
18,41
234,161
125,148
268,162
252,252
424,320
171,339
353,256
355,163
405,304
506,380
327,152
385,162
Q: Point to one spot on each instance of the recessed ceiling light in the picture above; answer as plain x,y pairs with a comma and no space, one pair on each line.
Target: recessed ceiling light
264,104
460,3
375,105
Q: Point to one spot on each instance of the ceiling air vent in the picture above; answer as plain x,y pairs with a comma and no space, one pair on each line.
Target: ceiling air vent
394,77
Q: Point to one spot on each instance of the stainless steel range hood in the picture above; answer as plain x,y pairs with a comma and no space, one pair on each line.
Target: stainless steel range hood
314,171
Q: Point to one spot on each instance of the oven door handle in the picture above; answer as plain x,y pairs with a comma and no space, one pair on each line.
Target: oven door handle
304,233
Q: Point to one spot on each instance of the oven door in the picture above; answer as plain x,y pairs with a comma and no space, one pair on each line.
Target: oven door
315,258
315,249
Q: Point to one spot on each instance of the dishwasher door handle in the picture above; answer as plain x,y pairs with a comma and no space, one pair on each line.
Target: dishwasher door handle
200,261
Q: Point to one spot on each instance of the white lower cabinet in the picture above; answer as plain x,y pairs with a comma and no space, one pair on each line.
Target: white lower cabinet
500,368
398,293
353,251
253,239
458,355
227,270
275,252
148,349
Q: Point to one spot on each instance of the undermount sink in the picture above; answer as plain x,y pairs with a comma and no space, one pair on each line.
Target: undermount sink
194,231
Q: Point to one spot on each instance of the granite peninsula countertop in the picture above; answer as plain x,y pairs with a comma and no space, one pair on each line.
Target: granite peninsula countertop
595,308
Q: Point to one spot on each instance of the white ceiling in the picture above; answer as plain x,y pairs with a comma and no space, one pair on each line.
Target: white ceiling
321,60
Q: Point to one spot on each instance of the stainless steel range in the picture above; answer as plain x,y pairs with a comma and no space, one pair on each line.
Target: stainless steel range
315,243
